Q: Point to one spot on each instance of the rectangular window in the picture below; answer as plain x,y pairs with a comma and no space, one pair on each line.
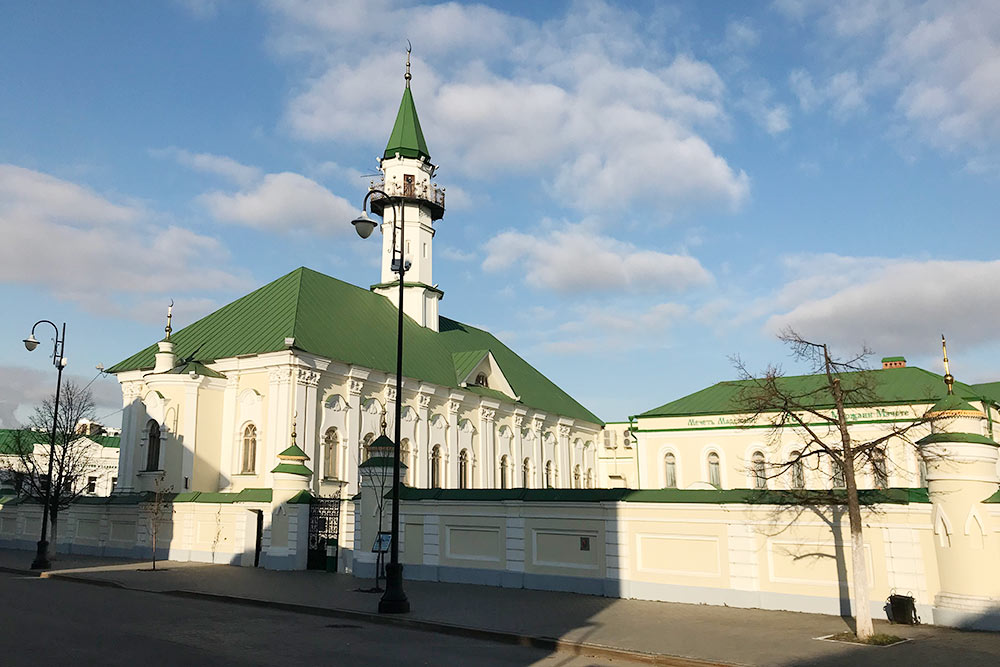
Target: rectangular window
425,251
91,485
114,483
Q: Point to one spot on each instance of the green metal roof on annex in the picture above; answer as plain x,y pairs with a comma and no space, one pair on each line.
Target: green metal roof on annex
892,386
407,138
334,319
10,439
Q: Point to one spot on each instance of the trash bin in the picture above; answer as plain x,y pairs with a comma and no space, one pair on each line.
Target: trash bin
903,609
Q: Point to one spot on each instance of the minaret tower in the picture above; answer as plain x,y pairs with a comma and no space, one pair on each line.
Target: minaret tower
407,173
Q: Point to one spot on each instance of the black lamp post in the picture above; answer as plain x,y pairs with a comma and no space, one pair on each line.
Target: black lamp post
41,561
394,599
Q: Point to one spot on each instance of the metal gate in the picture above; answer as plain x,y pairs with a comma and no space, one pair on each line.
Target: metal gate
324,529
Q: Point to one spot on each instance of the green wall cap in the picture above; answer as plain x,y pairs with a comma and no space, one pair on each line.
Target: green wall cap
995,498
705,496
300,498
293,469
971,438
294,453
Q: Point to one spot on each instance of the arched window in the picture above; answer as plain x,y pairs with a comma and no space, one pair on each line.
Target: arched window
548,475
714,471
526,473
880,472
463,469
404,458
839,481
590,478
366,443
481,380
436,467
249,450
331,444
670,471
577,478
504,472
758,468
798,471
153,445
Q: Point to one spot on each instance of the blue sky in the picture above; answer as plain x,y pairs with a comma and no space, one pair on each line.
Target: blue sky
636,191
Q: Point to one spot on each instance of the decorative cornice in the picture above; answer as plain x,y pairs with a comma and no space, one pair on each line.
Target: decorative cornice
307,377
537,424
424,400
279,375
518,422
487,415
390,393
564,431
355,387
454,406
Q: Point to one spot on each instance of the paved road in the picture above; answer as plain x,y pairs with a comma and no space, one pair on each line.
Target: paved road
52,622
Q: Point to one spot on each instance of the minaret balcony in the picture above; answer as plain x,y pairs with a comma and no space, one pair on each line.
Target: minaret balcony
428,195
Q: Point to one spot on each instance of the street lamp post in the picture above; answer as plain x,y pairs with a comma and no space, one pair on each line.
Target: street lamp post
41,561
394,598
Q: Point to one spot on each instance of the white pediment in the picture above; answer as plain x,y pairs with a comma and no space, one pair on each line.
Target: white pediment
487,373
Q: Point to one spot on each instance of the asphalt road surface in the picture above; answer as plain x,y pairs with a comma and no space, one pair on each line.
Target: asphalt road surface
51,622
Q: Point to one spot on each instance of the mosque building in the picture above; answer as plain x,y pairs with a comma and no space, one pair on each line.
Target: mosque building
209,408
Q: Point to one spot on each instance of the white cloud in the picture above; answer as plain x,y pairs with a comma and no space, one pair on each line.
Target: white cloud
575,259
893,305
741,35
24,388
588,99
598,329
283,202
219,165
936,61
97,252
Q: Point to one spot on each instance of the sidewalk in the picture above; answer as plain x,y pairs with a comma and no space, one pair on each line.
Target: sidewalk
666,633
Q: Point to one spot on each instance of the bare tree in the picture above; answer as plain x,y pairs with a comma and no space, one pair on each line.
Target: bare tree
72,456
816,411
379,472
157,510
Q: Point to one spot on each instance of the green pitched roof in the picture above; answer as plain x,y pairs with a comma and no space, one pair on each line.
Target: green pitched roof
892,386
407,139
294,453
19,441
333,319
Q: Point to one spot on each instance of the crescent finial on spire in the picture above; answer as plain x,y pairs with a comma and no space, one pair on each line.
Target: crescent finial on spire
170,314
949,379
409,47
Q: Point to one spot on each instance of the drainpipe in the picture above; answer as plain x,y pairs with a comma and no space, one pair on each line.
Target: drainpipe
638,468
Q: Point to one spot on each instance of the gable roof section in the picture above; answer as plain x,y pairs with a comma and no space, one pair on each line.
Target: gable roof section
15,441
893,386
333,319
407,138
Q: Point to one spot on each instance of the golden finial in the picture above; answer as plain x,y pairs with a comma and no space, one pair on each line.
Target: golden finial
409,48
295,418
949,379
170,314
384,423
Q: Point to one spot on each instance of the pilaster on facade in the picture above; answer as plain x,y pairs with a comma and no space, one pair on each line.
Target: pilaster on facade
517,445
566,456
423,437
131,407
279,417
538,431
454,407
307,409
487,439
227,447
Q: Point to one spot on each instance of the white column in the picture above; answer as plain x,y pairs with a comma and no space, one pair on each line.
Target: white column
306,382
421,456
129,438
538,426
566,476
279,419
230,396
487,415
450,466
190,432
352,436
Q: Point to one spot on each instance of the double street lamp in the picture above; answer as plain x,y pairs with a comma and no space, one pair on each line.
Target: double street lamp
394,598
41,561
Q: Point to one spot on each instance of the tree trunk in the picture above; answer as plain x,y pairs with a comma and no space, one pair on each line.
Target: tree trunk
53,532
862,607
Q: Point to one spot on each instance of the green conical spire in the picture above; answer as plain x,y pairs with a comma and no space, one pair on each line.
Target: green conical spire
407,139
